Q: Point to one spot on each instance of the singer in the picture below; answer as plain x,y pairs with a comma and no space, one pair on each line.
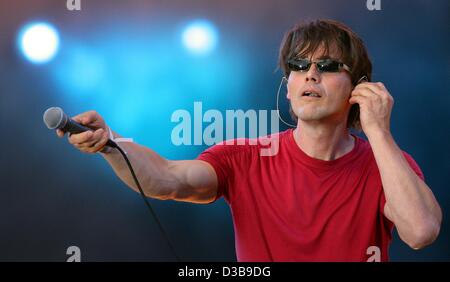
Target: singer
327,195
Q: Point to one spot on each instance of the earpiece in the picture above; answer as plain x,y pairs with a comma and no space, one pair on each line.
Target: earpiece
363,78
278,107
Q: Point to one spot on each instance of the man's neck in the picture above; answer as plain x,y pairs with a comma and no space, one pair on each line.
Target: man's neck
323,141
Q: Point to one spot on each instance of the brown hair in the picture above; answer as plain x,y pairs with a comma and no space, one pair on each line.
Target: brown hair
306,37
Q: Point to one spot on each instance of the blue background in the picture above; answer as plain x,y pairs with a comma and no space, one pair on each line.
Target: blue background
126,60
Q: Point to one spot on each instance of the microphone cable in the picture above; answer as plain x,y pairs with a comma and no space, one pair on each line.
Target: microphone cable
147,203
55,118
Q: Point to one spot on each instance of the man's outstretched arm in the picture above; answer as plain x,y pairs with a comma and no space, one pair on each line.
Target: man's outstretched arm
192,181
188,180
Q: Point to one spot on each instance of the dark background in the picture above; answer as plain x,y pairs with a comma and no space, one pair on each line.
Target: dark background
125,59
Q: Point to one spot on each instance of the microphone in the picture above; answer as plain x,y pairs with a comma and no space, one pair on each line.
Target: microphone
55,118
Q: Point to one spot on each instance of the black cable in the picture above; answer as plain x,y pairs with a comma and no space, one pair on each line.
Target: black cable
147,203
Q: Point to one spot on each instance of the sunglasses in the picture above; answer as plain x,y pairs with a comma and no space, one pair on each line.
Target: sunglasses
326,65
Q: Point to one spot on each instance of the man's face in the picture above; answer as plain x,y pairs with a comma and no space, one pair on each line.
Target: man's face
334,89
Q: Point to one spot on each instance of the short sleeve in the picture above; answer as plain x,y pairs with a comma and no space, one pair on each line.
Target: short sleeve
414,165
219,157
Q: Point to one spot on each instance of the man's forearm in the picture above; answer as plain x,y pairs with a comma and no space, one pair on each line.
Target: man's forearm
412,205
150,169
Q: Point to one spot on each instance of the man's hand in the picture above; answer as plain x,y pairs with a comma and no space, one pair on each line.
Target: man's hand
375,104
89,141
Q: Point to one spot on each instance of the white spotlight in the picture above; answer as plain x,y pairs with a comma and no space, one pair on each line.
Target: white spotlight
200,37
39,42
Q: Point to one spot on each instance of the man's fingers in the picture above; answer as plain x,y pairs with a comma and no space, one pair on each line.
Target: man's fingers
80,137
356,100
88,138
96,137
100,144
363,90
77,118
377,88
86,118
95,145
60,133
92,140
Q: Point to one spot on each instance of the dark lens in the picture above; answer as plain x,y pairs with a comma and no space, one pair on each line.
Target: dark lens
328,66
298,65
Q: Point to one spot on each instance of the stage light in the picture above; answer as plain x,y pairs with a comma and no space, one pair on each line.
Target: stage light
200,37
38,42
136,82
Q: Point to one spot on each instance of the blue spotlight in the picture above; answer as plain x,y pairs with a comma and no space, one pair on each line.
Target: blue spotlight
38,42
200,37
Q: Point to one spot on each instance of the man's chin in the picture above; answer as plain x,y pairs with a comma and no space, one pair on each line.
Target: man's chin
309,116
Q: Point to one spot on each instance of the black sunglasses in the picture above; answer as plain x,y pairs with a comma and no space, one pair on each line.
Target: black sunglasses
326,65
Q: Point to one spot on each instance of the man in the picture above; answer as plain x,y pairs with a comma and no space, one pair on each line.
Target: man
327,195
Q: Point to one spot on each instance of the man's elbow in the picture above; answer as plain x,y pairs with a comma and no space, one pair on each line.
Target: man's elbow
424,235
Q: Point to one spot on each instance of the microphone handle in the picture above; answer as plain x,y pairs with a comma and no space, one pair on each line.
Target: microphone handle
74,127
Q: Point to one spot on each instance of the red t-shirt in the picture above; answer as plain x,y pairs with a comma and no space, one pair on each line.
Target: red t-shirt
292,207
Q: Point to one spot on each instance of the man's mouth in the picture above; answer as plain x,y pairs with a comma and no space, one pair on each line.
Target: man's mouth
311,94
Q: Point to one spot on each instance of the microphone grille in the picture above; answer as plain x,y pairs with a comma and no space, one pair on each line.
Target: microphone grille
54,117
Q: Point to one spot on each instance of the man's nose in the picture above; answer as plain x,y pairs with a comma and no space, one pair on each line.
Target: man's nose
313,75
